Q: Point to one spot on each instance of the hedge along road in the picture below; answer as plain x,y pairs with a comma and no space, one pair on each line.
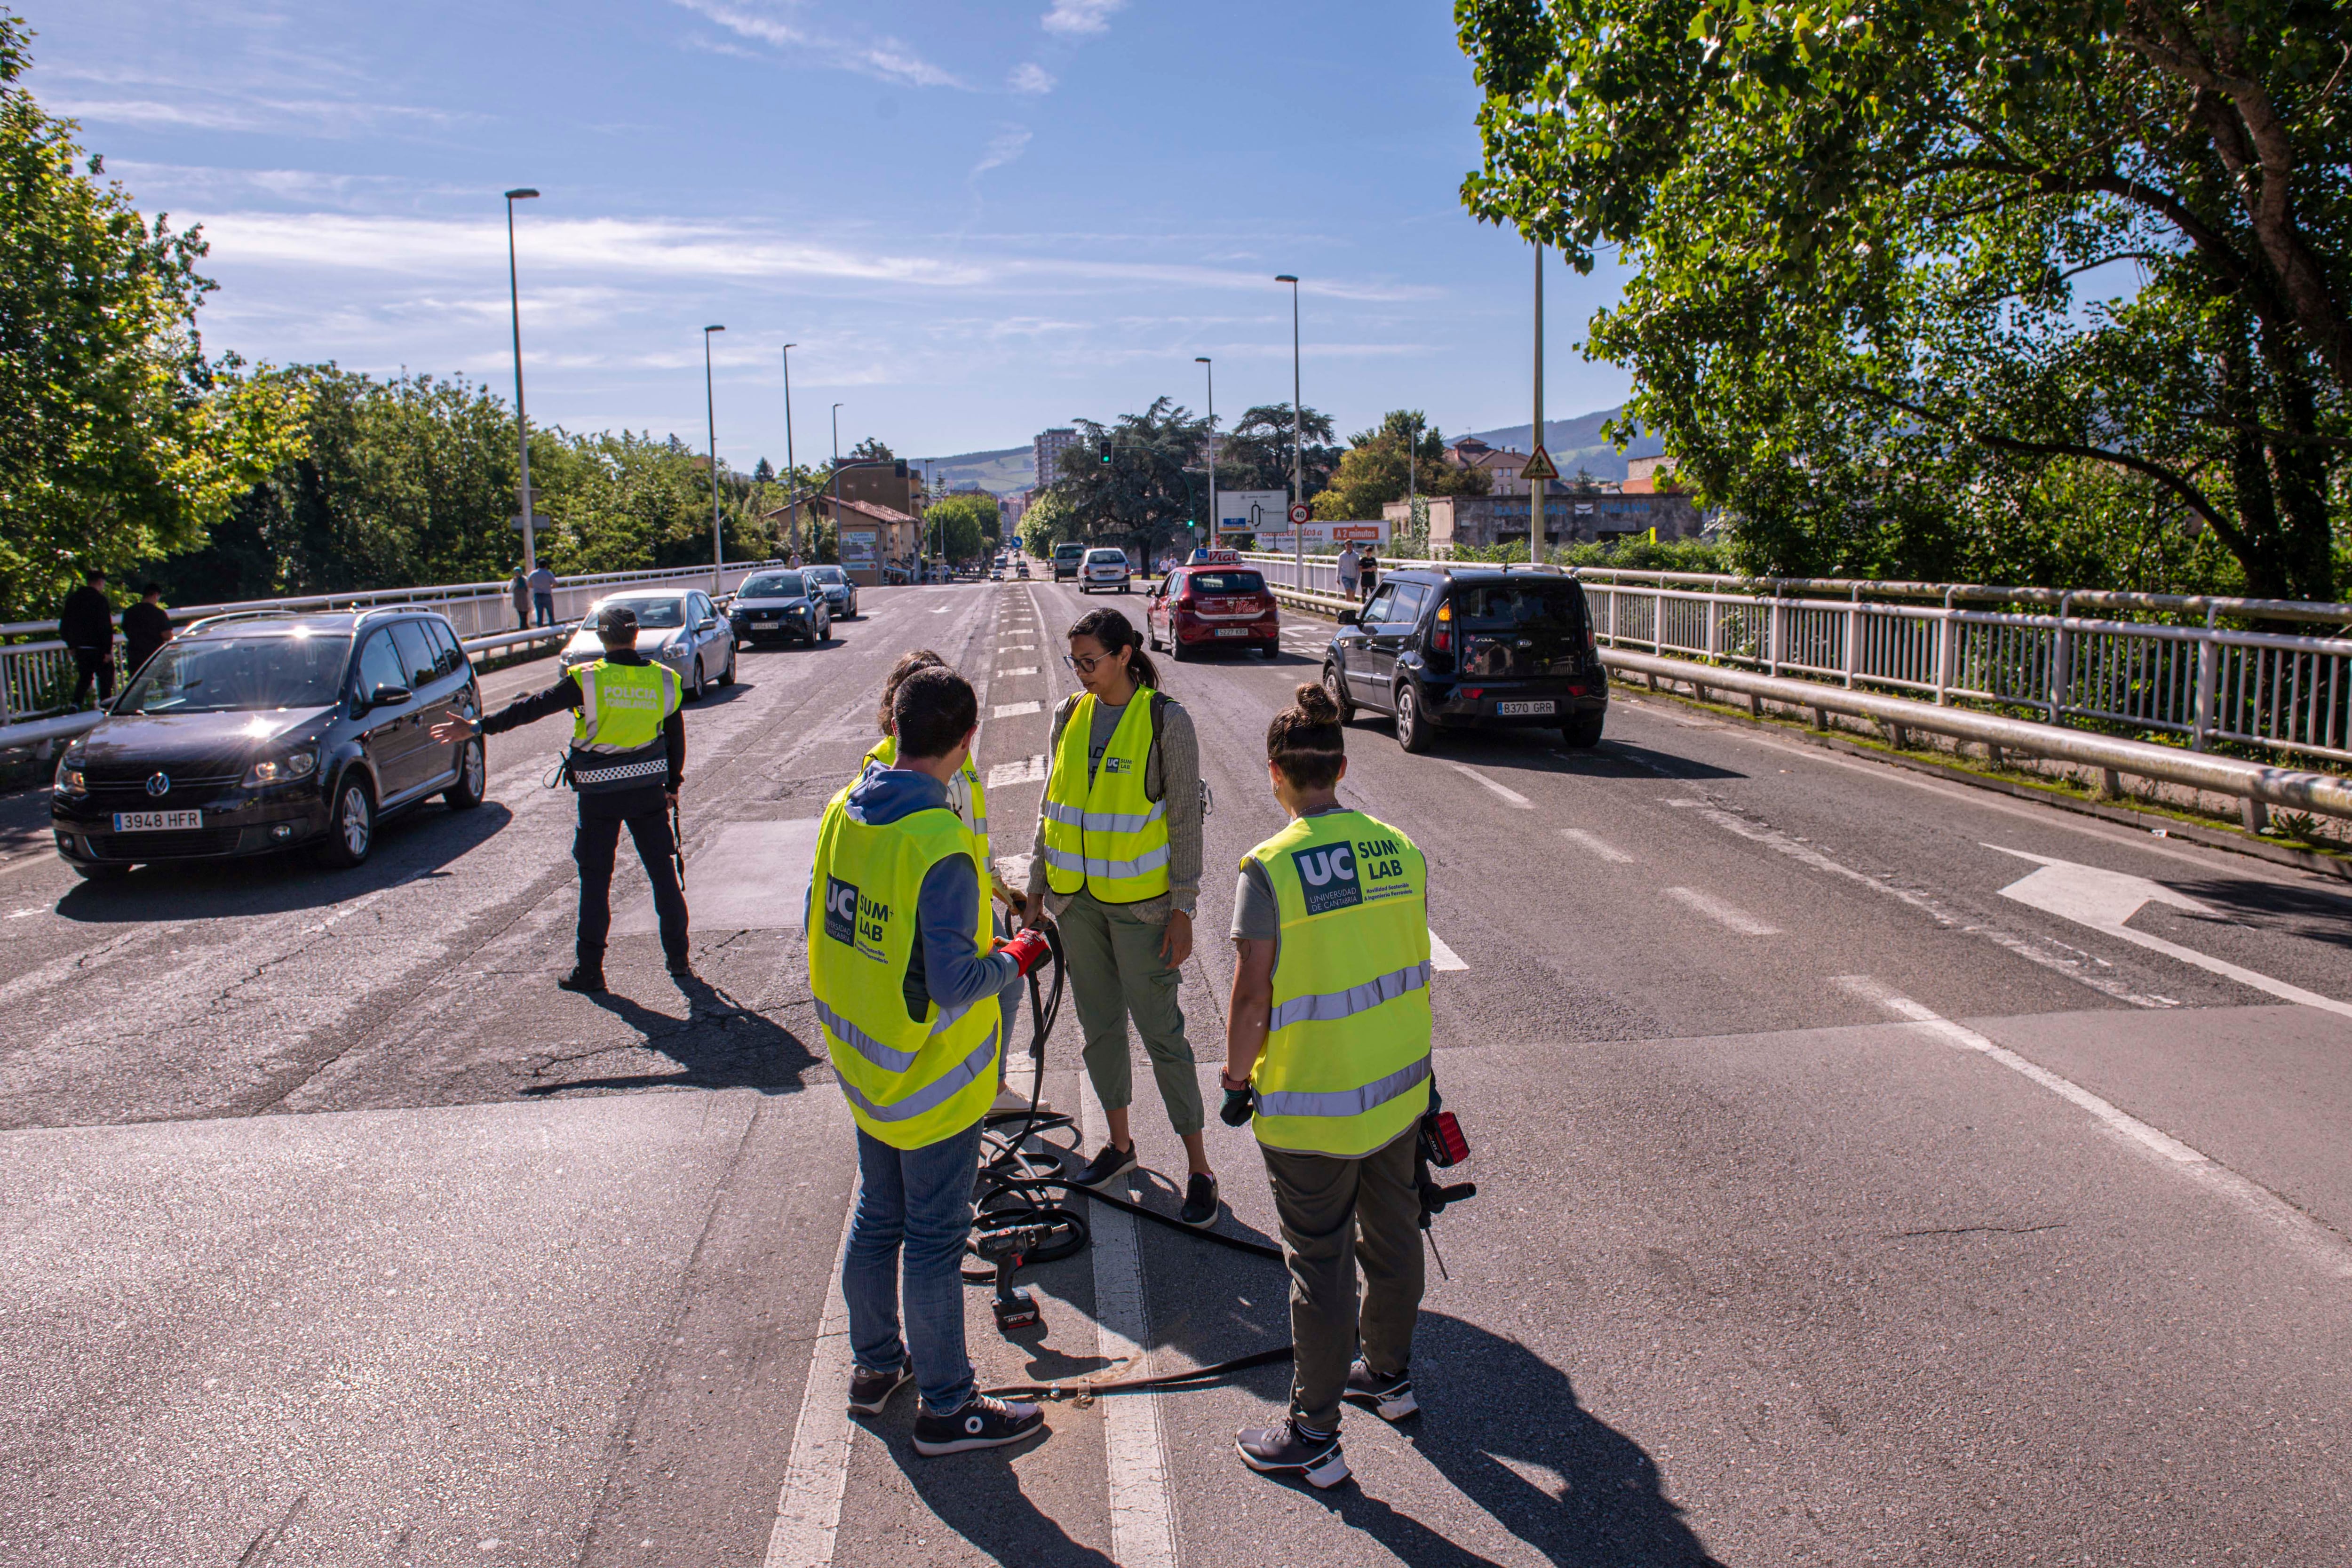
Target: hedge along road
1781,1251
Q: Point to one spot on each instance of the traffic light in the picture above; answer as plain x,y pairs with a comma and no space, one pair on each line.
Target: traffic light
1106,453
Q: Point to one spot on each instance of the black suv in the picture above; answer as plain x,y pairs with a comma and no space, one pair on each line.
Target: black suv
259,732
1471,646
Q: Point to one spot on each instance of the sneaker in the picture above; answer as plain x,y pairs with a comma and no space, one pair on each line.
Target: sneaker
681,968
869,1390
583,979
983,1423
1285,1450
1200,1208
1389,1399
1106,1167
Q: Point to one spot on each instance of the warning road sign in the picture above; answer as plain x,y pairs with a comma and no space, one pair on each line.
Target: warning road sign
1540,466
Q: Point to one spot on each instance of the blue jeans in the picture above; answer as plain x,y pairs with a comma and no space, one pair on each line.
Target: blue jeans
918,1201
544,604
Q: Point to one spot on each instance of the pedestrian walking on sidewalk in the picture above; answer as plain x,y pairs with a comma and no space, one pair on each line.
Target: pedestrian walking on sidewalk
86,626
1327,1045
1116,862
1348,564
518,589
542,597
146,627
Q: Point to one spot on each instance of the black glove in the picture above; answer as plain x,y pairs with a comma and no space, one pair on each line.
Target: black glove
1235,1111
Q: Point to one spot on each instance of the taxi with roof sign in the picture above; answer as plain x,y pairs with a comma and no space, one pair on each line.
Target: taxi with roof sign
1214,600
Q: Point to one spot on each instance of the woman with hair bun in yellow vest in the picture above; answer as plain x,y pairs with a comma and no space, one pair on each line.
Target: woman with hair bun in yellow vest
1116,862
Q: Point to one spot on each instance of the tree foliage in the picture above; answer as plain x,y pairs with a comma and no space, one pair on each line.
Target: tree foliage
958,526
1047,521
1402,455
1148,491
1862,234
870,450
1256,453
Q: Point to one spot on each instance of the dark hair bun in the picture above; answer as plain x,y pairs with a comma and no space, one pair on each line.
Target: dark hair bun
1315,704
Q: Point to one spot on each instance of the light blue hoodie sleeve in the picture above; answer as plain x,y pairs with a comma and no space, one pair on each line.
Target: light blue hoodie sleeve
947,913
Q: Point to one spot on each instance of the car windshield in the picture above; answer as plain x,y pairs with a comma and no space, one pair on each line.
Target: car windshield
782,585
826,574
230,675
1518,606
1069,549
1227,583
655,615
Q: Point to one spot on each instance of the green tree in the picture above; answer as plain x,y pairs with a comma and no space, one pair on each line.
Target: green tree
1402,455
957,526
1144,491
1254,454
119,440
1856,232
1048,521
871,450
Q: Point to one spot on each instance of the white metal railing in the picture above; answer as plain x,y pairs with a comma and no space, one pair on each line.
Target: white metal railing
37,674
2032,647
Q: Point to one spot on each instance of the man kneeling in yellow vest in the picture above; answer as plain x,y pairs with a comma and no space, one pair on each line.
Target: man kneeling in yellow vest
907,991
1328,1043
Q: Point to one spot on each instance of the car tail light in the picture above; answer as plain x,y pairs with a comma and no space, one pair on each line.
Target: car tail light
1442,640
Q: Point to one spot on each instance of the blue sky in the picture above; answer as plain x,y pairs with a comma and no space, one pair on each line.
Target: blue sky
975,220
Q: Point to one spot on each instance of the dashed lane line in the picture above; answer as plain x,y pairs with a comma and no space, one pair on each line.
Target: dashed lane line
1729,916
1014,709
1142,1528
1594,844
1442,957
1510,796
1029,770
2302,1234
1022,669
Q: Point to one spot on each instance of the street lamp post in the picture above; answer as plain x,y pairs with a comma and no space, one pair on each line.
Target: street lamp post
1536,488
522,424
789,470
711,409
1298,442
834,481
1202,359
1412,479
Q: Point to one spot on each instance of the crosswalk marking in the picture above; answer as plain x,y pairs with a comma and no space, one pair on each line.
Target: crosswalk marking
1024,670
1014,709
1442,956
1029,770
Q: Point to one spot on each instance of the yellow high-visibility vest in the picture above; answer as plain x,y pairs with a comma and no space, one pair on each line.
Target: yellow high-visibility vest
616,731
1105,835
1345,1067
911,1081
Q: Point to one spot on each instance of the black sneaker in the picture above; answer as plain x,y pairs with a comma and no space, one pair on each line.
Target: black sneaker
681,968
1389,1399
590,982
983,1423
1285,1450
1200,1208
870,1391
1106,1167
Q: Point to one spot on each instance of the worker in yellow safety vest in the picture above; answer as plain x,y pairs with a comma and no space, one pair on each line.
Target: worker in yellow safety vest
1327,1043
907,991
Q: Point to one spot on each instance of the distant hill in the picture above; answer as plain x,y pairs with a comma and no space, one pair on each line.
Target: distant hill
1576,444
1000,473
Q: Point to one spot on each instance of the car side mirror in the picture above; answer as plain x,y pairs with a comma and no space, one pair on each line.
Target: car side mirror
386,695
1350,618
706,622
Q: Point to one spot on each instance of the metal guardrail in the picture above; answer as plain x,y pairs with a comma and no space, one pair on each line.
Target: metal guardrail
33,672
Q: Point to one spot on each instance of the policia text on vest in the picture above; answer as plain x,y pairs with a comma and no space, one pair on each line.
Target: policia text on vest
626,759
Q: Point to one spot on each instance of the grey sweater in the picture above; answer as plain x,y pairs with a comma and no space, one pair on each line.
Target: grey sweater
1173,775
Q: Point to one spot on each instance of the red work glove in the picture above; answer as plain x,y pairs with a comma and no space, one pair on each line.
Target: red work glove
1028,949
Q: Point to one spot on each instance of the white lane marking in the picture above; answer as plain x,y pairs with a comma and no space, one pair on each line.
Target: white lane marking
808,1510
2103,899
941,609
2302,1234
1023,670
1143,1531
1511,796
1014,709
2070,962
1031,770
1442,956
1729,916
1595,844
1016,648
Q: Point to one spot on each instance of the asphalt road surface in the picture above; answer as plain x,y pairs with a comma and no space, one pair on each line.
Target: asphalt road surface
1872,1170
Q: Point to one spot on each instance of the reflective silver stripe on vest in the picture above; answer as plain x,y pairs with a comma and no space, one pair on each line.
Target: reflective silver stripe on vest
938,1092
1341,1102
1088,866
650,766
1106,821
864,1044
1332,1006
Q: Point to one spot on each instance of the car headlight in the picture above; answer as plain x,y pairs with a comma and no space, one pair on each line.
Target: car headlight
282,770
69,776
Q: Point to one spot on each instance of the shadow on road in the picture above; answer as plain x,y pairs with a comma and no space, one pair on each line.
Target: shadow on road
411,847
1540,750
979,1496
2312,913
719,1044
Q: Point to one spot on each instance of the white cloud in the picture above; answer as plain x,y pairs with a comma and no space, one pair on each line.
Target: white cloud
887,59
322,116
1003,148
1031,77
1080,15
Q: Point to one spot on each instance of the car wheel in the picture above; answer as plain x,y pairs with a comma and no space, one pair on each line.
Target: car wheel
350,823
1177,649
727,675
1412,728
1338,692
1585,732
473,778
694,693
1122,587
1151,634
1271,649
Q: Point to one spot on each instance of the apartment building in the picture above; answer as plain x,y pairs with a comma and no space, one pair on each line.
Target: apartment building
1047,447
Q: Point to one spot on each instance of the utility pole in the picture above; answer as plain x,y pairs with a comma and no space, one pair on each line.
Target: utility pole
790,470
711,409
522,424
1412,477
1215,540
1536,487
1298,443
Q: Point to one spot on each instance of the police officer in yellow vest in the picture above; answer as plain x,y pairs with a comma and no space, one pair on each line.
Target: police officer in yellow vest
1327,1037
627,760
907,991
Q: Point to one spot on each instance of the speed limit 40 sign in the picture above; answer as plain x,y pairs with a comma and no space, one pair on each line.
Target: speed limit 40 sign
1299,513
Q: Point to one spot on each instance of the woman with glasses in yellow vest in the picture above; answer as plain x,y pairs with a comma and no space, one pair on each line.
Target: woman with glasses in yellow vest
1327,1045
1116,862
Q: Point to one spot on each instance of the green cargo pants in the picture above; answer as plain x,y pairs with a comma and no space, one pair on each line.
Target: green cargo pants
1116,973
1334,1214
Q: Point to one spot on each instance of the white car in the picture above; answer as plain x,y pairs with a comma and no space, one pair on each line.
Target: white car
1103,568
681,629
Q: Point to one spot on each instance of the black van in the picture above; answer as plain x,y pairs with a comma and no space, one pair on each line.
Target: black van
266,730
1471,646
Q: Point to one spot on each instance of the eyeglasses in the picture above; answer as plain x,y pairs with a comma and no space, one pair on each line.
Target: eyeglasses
1084,663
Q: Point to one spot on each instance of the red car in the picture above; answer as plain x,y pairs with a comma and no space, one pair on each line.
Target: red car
1212,600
